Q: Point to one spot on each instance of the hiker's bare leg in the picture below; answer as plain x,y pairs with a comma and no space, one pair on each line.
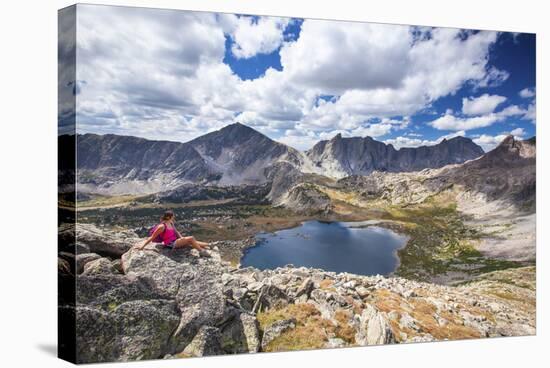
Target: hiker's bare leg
188,241
203,244
195,243
182,243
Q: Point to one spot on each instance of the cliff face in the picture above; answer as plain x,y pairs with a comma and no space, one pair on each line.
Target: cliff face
341,157
156,303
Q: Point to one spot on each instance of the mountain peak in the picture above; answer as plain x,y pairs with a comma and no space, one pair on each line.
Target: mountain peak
508,141
510,151
231,134
457,139
238,127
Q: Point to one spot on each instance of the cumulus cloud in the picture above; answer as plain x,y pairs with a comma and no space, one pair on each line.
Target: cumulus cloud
493,78
407,141
483,104
527,93
304,139
518,132
449,121
254,35
157,74
161,74
426,69
489,142
337,56
531,113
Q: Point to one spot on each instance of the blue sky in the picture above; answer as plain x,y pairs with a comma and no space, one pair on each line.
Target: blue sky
175,75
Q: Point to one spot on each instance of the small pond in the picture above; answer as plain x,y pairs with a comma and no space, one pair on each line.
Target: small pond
331,246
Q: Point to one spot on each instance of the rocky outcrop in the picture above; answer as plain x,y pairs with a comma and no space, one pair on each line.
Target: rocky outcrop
121,318
83,259
193,283
99,266
374,328
183,304
107,244
306,198
276,329
208,341
240,334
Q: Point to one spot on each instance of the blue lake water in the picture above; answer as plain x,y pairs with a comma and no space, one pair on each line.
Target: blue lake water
331,246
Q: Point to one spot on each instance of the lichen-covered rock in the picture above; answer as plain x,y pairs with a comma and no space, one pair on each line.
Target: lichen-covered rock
105,243
270,296
194,283
241,334
374,328
134,330
99,266
206,342
304,290
107,291
276,329
117,265
335,342
83,259
307,198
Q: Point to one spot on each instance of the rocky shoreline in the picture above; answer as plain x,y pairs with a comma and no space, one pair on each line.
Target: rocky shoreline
157,303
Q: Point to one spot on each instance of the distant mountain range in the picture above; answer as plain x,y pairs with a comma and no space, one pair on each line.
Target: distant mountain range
341,157
237,154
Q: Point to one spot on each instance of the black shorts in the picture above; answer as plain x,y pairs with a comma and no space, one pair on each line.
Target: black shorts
171,244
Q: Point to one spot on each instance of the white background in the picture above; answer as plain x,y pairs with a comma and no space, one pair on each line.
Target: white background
28,179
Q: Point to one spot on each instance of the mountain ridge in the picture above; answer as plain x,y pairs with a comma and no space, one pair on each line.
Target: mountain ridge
238,154
361,156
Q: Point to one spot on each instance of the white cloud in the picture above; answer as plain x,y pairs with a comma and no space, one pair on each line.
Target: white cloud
408,75
254,35
527,93
493,78
299,139
157,74
336,56
531,113
451,122
519,132
160,74
489,142
481,105
371,130
405,141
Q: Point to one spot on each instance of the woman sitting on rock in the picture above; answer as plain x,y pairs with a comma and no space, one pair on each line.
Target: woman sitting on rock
167,234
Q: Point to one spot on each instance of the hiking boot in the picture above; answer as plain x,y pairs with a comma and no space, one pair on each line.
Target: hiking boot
205,254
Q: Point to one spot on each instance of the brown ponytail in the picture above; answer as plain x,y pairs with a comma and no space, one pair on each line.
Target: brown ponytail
168,215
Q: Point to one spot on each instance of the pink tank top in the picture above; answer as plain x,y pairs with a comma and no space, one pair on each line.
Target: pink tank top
169,235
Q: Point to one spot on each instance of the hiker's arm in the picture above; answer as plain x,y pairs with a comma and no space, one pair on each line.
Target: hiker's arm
157,232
